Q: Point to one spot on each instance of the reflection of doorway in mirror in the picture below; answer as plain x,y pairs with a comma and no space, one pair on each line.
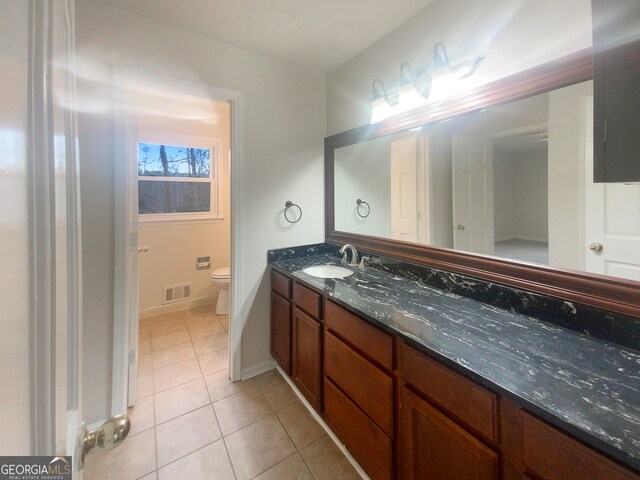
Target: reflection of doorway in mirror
612,216
520,166
473,229
404,186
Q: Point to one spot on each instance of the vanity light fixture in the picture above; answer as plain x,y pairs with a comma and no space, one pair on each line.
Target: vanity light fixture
408,96
380,107
444,76
415,89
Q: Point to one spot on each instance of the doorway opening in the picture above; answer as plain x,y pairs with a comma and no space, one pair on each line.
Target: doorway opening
178,146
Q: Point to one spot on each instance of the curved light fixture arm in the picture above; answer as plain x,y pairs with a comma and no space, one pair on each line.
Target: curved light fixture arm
375,92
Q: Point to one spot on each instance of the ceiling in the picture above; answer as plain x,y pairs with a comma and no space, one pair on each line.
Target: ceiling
317,34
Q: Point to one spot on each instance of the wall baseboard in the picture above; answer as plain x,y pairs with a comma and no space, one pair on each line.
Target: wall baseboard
522,237
175,307
258,369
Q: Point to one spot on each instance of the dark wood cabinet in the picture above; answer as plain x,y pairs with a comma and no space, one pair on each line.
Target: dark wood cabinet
281,320
358,389
434,447
307,348
281,331
551,455
366,441
616,90
404,414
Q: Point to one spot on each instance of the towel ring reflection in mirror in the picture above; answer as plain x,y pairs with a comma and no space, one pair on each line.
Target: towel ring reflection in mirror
289,204
362,205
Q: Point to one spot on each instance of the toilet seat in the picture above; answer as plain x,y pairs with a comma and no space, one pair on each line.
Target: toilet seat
221,273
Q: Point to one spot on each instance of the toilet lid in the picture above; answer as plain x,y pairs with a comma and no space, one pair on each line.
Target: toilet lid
223,272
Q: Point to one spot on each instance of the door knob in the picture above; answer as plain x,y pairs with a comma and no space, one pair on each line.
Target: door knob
143,249
460,227
111,434
596,247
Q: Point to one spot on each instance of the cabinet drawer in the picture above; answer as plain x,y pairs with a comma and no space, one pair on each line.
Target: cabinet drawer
281,284
470,403
369,387
366,442
554,456
372,341
307,300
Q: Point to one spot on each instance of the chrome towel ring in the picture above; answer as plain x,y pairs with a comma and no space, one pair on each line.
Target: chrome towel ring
363,204
289,204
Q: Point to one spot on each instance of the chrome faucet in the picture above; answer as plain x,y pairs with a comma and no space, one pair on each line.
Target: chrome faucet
354,255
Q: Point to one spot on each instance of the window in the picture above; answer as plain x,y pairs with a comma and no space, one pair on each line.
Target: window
176,181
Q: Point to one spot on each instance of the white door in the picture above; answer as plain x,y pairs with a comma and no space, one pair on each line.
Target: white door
126,292
404,199
612,217
473,194
39,233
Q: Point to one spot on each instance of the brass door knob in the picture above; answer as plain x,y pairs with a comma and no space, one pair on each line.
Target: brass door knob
596,247
111,434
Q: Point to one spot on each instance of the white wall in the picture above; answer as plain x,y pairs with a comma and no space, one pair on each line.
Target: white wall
283,128
363,171
531,205
513,35
504,193
174,247
565,176
14,229
440,151
520,195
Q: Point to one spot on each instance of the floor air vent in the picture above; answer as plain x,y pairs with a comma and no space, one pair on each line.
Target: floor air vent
176,293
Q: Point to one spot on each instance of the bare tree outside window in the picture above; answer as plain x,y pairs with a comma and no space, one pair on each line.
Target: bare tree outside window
174,179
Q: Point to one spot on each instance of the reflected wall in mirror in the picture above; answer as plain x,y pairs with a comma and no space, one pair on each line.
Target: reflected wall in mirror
512,181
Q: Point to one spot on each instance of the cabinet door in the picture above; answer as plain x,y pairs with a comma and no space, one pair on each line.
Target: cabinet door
434,447
307,373
281,331
616,90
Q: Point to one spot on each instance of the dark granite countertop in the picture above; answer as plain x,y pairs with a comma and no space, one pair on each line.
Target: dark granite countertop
583,385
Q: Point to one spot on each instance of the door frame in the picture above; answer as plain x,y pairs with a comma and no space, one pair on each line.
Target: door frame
51,396
123,340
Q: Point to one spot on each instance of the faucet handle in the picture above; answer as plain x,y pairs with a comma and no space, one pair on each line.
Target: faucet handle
363,263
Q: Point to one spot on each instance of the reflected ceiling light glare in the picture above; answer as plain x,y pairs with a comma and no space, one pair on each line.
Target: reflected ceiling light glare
416,129
415,90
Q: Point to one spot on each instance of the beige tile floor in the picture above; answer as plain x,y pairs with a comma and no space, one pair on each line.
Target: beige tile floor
191,422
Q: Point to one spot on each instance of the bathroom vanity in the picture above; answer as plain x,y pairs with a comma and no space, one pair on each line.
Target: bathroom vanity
419,382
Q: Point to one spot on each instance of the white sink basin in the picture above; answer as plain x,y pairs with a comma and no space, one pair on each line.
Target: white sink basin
328,271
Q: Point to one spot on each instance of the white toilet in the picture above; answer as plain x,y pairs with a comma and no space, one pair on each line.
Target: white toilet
220,278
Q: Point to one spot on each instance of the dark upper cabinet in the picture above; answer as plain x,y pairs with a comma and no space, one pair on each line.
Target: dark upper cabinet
616,90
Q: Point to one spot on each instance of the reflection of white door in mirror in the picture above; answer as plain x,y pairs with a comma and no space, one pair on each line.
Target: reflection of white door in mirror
404,180
612,216
473,229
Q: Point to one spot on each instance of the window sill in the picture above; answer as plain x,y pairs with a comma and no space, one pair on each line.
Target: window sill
175,221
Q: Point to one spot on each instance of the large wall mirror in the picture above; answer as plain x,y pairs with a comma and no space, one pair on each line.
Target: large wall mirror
494,186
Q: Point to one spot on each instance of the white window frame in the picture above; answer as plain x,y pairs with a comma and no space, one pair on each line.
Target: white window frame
172,139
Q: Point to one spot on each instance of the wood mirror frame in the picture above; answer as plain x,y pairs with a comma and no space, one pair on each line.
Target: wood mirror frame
609,293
